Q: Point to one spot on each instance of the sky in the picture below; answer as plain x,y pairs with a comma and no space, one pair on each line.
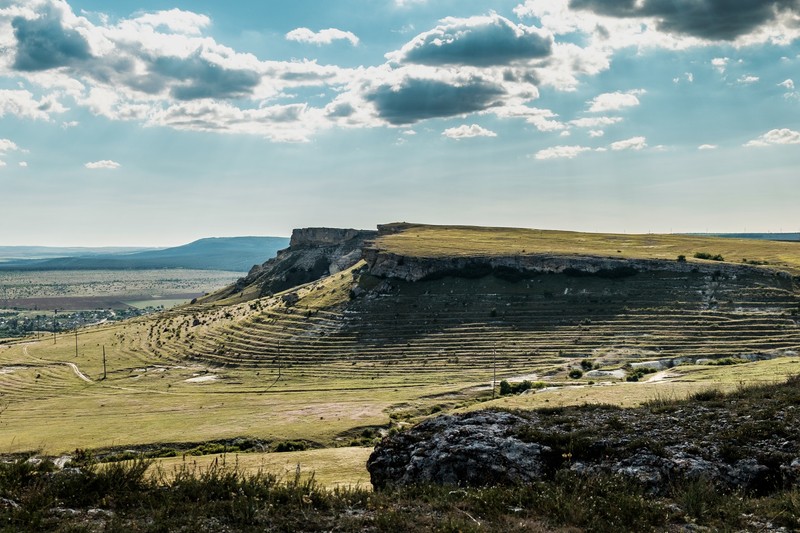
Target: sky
158,122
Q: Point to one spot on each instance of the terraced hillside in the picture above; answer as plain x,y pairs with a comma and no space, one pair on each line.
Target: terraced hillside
422,319
534,313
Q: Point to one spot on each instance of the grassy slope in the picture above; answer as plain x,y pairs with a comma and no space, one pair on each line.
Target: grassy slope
447,241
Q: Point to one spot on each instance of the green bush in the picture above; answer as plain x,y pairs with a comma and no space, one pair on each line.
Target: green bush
291,446
575,373
708,256
507,388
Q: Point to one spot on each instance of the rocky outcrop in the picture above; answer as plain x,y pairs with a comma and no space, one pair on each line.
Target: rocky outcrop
748,441
312,254
307,237
385,264
438,452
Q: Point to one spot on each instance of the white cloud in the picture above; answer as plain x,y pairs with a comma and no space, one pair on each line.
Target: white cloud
776,136
2,163
542,119
634,143
746,80
561,152
327,36
105,164
23,104
467,132
720,64
614,101
176,20
409,132
7,145
70,124
594,122
23,164
787,84
596,133
707,147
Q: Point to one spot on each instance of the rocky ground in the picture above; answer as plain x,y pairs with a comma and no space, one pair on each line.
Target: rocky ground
746,441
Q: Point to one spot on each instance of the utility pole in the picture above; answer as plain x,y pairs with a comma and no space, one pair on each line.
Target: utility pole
104,361
494,371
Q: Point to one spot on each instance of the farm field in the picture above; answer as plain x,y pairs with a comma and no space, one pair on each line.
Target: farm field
74,289
28,299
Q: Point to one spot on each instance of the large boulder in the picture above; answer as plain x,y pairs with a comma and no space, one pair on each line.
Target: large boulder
474,449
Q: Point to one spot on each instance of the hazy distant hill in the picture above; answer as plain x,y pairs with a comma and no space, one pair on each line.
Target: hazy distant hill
222,253
19,253
759,236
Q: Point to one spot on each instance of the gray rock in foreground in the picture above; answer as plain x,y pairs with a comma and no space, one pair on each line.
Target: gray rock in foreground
475,449
738,443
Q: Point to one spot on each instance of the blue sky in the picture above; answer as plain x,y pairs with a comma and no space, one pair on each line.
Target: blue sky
158,122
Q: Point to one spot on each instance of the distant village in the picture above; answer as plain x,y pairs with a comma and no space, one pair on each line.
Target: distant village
16,323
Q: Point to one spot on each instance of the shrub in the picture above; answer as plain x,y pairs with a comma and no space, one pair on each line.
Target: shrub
517,388
681,259
291,446
575,373
708,256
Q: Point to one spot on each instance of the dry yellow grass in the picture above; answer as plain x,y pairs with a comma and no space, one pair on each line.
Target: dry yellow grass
331,467
449,241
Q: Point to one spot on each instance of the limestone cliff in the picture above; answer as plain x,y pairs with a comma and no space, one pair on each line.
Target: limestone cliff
312,253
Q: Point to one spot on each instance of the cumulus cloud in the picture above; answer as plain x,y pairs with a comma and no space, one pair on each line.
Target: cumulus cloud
44,43
327,36
594,122
7,145
711,20
707,147
478,41
199,77
164,69
720,64
634,143
176,20
467,132
416,99
23,164
561,152
615,101
542,119
105,164
787,84
23,104
776,136
596,133
2,163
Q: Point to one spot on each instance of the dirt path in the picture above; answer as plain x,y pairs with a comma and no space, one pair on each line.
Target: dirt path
73,366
